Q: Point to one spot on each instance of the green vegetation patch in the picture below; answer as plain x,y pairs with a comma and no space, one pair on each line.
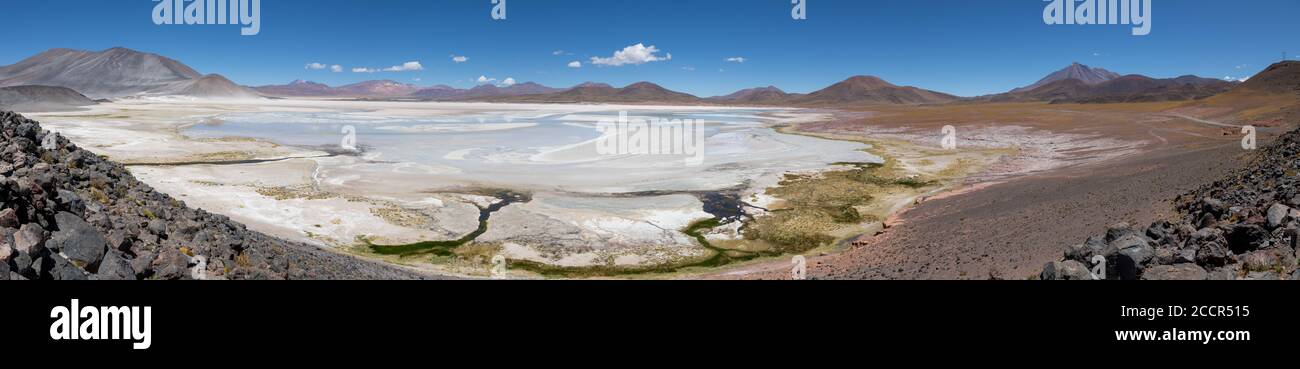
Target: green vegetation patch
818,204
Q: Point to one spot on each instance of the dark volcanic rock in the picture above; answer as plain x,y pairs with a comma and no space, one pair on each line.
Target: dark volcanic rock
1068,270
77,239
115,268
104,221
171,264
1244,227
61,269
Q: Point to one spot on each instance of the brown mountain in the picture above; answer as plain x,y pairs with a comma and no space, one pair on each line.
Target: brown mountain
436,92
760,95
41,98
1279,78
215,86
112,73
871,90
297,88
1271,97
1083,73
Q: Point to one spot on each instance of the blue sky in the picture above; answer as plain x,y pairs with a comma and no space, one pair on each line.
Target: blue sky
964,47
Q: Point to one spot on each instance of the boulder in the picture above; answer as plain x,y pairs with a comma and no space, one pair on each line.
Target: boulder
63,269
1180,272
1186,255
22,263
69,201
1084,252
158,227
30,239
1213,206
6,252
1166,255
1163,233
1211,248
1133,246
1244,238
8,218
1277,215
171,264
1068,270
143,264
80,241
115,268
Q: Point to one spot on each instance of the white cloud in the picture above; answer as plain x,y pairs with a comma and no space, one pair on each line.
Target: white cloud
315,66
405,67
636,55
416,79
459,58
575,64
689,68
508,82
561,52
336,68
738,59
483,80
363,70
1235,79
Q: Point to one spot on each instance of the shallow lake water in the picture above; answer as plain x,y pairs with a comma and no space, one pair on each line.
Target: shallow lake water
551,149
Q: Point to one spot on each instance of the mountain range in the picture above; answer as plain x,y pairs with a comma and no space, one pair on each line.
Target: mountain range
121,72
1079,83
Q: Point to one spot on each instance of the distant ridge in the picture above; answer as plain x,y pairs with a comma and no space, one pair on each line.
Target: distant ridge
379,88
640,92
117,72
393,89
296,88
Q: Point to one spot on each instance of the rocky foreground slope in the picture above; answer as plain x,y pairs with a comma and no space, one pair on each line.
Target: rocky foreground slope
68,214
1241,227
